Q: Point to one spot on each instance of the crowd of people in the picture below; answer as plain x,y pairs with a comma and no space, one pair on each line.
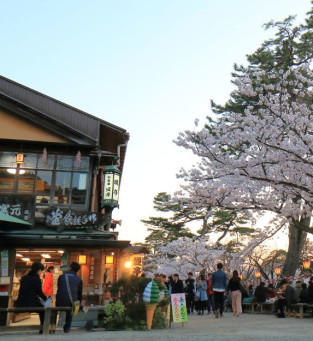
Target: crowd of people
213,293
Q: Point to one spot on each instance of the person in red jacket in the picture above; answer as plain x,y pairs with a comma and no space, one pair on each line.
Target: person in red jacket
47,287
210,293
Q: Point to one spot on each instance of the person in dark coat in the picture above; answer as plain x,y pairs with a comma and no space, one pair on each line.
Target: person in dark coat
190,292
310,291
304,294
76,289
260,293
286,297
30,291
177,285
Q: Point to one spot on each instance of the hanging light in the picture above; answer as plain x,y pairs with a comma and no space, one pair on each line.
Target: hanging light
306,264
20,158
257,274
277,271
111,186
128,265
82,259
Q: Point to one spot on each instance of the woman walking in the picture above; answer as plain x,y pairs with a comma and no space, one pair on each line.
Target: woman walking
234,287
201,288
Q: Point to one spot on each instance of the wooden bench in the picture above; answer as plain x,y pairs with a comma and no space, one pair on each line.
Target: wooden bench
299,307
49,324
262,308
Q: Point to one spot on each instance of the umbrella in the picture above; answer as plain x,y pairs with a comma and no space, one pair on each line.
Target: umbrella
9,219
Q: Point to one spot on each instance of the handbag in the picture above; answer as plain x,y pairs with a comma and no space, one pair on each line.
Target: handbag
75,304
46,303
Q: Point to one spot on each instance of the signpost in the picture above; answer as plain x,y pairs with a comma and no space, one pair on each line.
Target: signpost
179,309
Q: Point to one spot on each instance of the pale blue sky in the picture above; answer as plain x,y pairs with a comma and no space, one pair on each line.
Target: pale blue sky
150,67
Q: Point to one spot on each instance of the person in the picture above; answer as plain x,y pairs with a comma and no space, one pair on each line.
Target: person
304,294
75,286
234,287
190,289
169,285
163,279
209,292
251,291
260,293
310,290
219,283
286,297
30,291
270,292
297,288
201,294
47,287
177,285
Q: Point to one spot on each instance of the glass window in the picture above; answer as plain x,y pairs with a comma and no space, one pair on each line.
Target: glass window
79,188
62,188
7,176
8,160
26,180
43,186
65,162
30,161
83,166
47,164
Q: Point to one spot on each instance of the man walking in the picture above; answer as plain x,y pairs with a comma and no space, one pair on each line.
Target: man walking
190,292
219,284
70,289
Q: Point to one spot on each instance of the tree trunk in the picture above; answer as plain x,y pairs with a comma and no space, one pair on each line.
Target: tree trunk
296,243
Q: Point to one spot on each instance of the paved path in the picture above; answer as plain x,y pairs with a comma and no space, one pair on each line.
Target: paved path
229,328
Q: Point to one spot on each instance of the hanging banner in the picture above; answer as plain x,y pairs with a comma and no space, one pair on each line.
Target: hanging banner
179,308
4,263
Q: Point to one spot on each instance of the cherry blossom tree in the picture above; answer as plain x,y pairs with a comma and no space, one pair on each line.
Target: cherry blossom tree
262,159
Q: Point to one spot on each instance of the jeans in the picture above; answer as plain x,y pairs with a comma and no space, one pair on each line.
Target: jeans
210,303
219,301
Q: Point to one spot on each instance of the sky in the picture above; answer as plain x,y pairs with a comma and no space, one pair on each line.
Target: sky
149,66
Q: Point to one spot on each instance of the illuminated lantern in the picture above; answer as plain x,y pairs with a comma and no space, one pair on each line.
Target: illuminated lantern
82,259
257,274
128,265
20,159
111,186
277,271
306,264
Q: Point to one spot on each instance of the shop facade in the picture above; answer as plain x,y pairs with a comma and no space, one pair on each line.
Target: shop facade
60,173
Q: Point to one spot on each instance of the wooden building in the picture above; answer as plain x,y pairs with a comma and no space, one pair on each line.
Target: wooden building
60,171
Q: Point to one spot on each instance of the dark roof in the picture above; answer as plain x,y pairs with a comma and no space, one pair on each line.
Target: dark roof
136,249
74,119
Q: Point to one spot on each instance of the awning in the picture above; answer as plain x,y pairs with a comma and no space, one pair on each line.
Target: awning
6,219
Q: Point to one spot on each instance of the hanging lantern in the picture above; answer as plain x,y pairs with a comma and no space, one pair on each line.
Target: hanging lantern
111,186
20,159
78,159
44,156
306,264
257,274
277,271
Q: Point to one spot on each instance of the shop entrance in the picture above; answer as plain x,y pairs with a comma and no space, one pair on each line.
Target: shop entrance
24,260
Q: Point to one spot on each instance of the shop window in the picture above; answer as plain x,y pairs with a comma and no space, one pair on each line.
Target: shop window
26,180
79,188
62,187
7,176
43,186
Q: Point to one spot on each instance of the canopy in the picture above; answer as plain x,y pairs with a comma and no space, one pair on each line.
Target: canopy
6,218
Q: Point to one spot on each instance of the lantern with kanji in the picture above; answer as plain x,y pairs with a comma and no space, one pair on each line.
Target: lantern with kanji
257,274
277,271
306,264
111,186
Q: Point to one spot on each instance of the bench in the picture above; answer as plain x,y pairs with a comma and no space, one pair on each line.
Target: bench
262,308
299,307
49,324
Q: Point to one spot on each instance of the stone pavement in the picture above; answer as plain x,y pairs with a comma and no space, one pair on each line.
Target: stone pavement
228,328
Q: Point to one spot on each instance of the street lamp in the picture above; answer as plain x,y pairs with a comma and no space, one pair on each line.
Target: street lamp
257,274
306,264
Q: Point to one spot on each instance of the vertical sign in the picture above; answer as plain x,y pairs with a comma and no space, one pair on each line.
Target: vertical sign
116,185
108,186
92,269
179,308
4,263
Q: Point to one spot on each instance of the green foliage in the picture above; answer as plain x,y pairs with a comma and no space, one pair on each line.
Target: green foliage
159,320
115,316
